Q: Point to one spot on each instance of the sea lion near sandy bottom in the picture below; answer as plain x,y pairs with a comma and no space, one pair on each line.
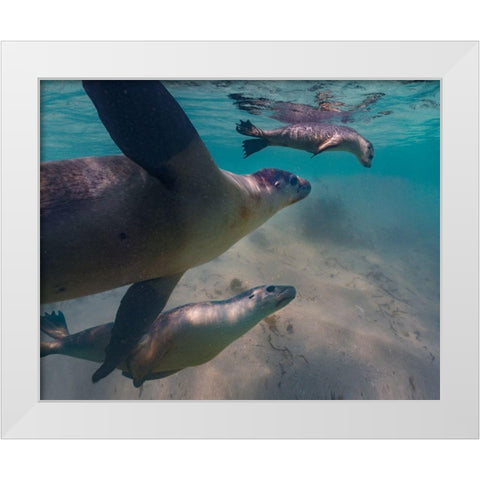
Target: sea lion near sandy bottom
145,217
311,137
182,337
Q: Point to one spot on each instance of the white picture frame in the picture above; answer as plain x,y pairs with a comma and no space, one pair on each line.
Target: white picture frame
455,415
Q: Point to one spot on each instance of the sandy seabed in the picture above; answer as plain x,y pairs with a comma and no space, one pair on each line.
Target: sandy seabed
365,323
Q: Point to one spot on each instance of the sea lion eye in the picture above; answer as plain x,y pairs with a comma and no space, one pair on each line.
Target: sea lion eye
252,295
293,180
270,288
276,184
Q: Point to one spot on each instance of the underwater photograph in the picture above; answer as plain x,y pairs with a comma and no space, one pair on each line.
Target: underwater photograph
239,239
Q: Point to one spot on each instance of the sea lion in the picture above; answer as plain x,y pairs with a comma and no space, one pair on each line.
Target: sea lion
311,137
327,110
288,112
147,216
183,337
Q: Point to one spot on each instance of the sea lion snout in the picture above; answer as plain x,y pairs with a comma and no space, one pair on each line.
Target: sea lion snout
285,295
366,162
304,187
367,156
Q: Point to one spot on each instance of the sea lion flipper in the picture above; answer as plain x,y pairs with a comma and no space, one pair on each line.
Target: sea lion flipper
54,325
330,142
150,376
252,146
147,354
139,307
146,123
138,382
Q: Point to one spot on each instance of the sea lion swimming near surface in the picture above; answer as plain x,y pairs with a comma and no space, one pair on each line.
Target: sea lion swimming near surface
183,337
147,216
288,112
327,111
311,137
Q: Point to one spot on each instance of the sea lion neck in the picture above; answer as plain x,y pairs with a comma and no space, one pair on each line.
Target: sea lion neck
255,204
247,185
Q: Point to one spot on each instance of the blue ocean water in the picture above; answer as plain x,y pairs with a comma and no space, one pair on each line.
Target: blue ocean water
407,141
381,225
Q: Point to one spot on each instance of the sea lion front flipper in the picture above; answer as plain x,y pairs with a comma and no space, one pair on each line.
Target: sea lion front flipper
152,376
139,307
330,142
147,354
147,124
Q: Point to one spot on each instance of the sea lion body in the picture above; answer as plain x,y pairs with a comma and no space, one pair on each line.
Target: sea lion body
105,222
310,137
186,336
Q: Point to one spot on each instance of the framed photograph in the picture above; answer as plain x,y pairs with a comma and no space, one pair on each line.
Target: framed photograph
204,240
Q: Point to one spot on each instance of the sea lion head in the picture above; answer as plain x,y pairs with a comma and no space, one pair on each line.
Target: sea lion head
366,153
283,188
264,300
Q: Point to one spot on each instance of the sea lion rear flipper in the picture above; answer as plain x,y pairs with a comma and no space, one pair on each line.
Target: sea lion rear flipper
249,129
252,146
147,124
54,325
139,307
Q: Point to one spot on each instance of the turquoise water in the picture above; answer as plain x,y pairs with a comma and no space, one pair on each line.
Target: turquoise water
366,235
407,141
